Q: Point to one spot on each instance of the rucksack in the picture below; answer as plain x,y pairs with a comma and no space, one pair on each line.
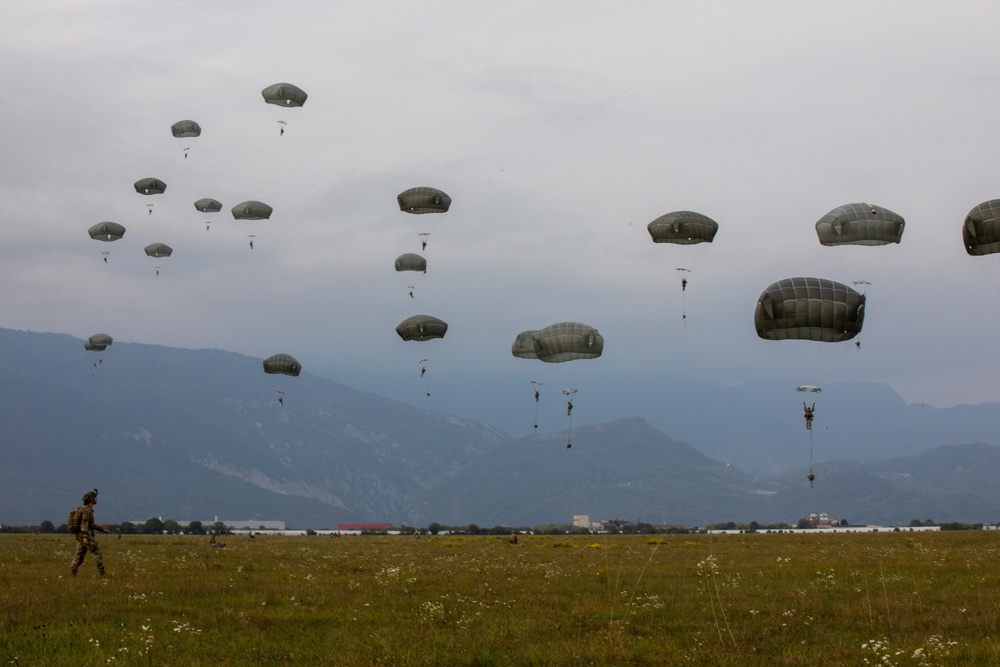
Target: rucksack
74,520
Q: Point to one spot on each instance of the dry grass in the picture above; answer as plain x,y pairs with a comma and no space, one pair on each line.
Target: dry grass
790,599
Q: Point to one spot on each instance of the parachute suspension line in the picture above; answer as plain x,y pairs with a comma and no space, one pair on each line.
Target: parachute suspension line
811,475
683,273
569,416
809,410
861,286
537,396
423,373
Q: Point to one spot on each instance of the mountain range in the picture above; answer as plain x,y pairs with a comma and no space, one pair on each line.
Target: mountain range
199,434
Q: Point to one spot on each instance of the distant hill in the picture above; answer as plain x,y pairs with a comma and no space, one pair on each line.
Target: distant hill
200,433
629,469
756,427
195,434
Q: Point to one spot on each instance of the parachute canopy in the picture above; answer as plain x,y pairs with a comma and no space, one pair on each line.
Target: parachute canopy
423,200
860,224
421,327
159,250
252,210
411,261
98,342
523,346
981,231
284,95
809,387
208,205
683,228
809,309
106,231
567,341
150,186
185,128
282,364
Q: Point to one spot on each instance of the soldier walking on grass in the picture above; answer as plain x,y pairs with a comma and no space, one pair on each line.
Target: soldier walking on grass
85,540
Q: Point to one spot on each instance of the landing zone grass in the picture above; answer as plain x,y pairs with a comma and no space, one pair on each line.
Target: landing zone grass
891,598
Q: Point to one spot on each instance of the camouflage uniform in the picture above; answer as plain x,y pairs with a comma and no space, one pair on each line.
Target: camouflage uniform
86,530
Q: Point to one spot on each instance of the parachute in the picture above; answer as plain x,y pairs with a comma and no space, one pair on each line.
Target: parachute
150,186
208,205
981,230
856,231
284,95
282,364
183,129
559,343
567,341
860,224
106,231
809,309
684,229
423,200
981,237
421,328
252,210
159,250
411,261
98,342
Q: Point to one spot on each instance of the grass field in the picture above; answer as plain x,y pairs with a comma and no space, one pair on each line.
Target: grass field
755,599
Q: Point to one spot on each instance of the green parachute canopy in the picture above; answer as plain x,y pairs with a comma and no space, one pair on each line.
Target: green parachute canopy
981,231
809,309
98,342
683,228
421,327
185,128
284,95
423,200
861,224
411,261
252,210
159,250
567,341
150,186
523,346
106,231
208,205
282,364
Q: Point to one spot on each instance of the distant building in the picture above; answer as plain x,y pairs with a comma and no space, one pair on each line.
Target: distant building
250,524
581,521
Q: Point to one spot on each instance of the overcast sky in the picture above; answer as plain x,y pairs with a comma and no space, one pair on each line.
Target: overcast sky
559,129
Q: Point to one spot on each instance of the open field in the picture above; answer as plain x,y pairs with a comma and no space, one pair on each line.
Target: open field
755,599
